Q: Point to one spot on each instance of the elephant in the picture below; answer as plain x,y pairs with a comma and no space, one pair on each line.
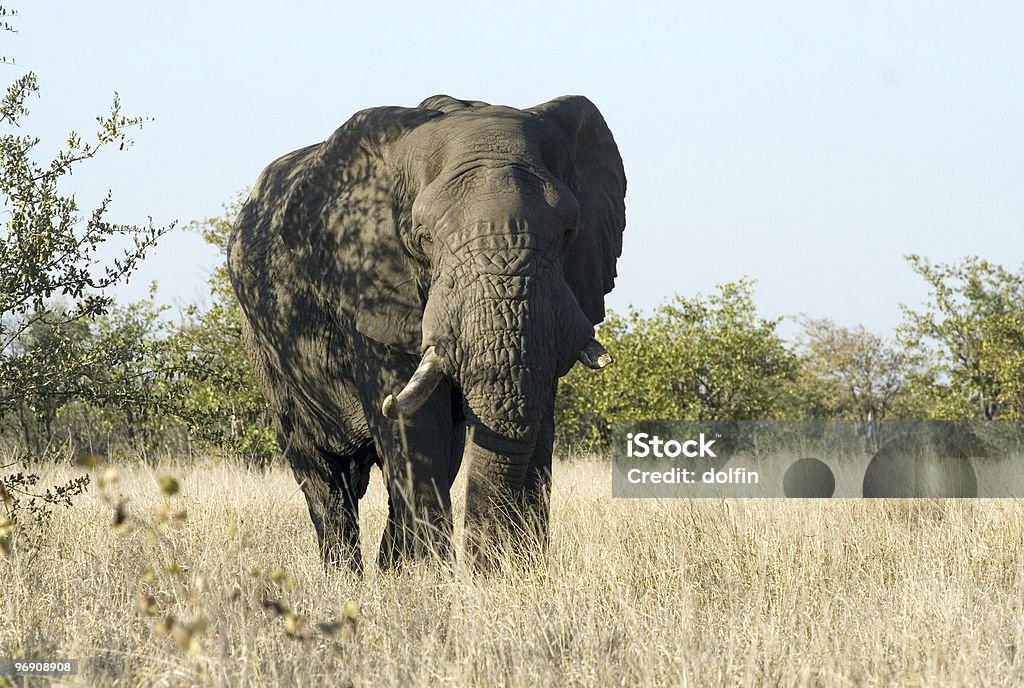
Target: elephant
411,290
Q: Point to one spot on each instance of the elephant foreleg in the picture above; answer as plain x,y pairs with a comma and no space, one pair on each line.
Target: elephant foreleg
418,458
419,521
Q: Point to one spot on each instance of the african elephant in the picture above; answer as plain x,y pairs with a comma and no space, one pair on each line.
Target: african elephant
412,289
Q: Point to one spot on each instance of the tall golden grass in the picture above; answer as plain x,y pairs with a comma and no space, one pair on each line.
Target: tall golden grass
221,585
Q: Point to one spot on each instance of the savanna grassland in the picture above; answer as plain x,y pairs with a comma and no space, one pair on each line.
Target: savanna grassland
221,584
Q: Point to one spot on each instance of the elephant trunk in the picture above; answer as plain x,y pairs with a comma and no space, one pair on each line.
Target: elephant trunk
509,354
515,336
507,493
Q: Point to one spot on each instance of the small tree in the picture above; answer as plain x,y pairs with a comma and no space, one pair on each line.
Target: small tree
50,342
700,358
48,249
853,374
973,328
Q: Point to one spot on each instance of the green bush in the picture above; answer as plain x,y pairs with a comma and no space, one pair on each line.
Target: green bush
700,358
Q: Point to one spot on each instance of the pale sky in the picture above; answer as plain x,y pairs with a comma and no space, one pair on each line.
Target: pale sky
809,145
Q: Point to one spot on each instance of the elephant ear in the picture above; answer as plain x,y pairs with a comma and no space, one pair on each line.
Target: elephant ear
342,220
598,180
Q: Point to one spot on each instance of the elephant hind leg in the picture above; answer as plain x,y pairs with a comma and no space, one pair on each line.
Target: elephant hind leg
333,484
332,480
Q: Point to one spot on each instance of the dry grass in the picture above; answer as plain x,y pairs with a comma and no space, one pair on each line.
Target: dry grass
632,593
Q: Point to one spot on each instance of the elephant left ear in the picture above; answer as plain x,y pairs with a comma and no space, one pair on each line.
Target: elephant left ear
598,180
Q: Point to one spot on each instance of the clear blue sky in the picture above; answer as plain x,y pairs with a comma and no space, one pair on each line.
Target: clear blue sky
809,145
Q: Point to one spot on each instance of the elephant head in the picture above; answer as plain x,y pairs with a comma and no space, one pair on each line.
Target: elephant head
480,239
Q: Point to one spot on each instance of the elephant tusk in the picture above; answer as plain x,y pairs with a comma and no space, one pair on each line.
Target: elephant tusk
419,388
595,356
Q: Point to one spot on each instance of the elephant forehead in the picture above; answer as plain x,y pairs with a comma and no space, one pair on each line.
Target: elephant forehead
493,140
496,130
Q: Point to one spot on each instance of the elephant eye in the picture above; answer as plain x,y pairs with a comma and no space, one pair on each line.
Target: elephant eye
421,238
567,237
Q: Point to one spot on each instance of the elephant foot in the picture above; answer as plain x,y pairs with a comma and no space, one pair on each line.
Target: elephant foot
336,520
337,530
333,484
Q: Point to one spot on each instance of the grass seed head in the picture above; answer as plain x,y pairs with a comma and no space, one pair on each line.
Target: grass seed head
148,605
168,486
109,477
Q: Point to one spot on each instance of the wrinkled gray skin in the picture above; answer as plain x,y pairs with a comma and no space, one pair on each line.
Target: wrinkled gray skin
487,232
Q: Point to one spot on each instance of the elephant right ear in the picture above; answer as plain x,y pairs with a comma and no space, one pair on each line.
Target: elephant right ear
342,221
598,181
